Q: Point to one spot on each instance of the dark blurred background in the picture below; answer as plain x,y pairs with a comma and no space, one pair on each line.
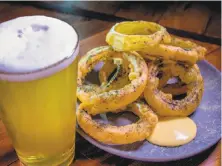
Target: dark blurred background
198,20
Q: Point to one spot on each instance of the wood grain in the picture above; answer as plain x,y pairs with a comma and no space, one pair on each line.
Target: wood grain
87,28
141,11
187,17
134,11
13,11
215,58
107,7
3,6
214,26
84,26
95,40
87,5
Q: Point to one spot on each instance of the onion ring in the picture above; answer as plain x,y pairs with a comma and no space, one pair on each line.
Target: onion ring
135,35
98,99
110,134
163,103
176,50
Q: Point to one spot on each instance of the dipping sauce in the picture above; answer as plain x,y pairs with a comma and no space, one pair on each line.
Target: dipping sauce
173,131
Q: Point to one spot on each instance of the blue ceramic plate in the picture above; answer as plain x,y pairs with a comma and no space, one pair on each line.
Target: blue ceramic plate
207,117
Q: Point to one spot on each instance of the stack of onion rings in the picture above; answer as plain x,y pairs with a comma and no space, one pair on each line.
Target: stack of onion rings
152,40
126,78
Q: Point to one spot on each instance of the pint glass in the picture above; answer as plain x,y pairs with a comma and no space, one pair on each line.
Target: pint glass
38,108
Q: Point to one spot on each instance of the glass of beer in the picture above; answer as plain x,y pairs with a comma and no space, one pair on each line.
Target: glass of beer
38,77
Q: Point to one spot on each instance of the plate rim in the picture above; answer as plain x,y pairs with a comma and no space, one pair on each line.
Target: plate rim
144,159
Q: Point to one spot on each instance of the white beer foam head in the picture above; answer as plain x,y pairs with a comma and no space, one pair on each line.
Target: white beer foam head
32,43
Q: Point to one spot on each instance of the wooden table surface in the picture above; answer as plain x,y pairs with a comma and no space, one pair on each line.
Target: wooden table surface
91,30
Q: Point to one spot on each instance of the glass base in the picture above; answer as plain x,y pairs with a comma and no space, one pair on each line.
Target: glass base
65,159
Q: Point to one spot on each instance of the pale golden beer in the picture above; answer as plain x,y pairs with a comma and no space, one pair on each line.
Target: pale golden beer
38,109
